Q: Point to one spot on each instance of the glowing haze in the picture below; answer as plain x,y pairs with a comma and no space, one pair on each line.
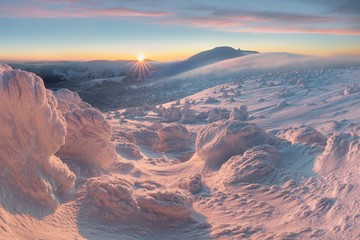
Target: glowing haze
169,30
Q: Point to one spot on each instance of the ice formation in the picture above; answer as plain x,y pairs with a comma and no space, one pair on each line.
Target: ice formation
254,164
146,138
193,183
174,138
88,138
115,198
217,142
239,113
110,195
340,149
303,134
165,204
32,130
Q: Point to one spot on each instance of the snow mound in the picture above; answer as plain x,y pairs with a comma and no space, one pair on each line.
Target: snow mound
128,150
88,139
303,134
340,148
354,88
134,112
255,163
110,197
70,97
239,113
216,114
174,138
193,184
188,117
156,125
115,198
284,93
146,137
32,130
217,142
165,204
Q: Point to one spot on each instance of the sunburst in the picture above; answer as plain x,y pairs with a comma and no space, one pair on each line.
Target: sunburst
141,69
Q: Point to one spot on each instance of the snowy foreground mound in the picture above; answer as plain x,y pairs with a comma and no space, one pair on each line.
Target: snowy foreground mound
38,124
32,131
35,128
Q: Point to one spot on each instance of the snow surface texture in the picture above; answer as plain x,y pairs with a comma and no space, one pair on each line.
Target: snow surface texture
303,134
218,141
174,138
250,167
32,130
88,133
265,171
340,149
118,199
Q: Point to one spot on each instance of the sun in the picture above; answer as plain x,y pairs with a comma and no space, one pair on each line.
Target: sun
140,57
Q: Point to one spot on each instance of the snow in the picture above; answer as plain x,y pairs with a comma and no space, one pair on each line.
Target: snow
88,138
32,130
303,134
285,167
174,137
218,141
255,163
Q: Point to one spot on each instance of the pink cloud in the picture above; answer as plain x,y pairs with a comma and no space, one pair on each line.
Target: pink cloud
250,24
76,12
333,31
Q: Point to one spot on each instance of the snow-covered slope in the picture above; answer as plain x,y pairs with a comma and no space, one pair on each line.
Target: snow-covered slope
204,58
270,154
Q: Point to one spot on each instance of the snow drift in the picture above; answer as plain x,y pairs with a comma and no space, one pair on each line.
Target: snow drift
340,149
303,134
217,142
254,164
32,130
116,198
88,139
174,138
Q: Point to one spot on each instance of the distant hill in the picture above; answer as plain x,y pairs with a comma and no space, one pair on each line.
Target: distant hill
205,58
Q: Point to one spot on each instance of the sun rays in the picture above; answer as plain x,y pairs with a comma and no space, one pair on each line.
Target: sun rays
141,69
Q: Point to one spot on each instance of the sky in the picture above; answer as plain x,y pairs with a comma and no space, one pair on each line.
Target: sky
173,30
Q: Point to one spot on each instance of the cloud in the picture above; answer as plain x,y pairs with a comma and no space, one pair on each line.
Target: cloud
71,11
332,31
271,16
269,22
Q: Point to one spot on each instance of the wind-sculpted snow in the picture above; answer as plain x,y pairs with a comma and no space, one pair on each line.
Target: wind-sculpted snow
303,134
354,88
88,139
340,148
165,204
32,130
111,195
217,142
71,97
254,164
174,138
116,198
239,113
193,184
